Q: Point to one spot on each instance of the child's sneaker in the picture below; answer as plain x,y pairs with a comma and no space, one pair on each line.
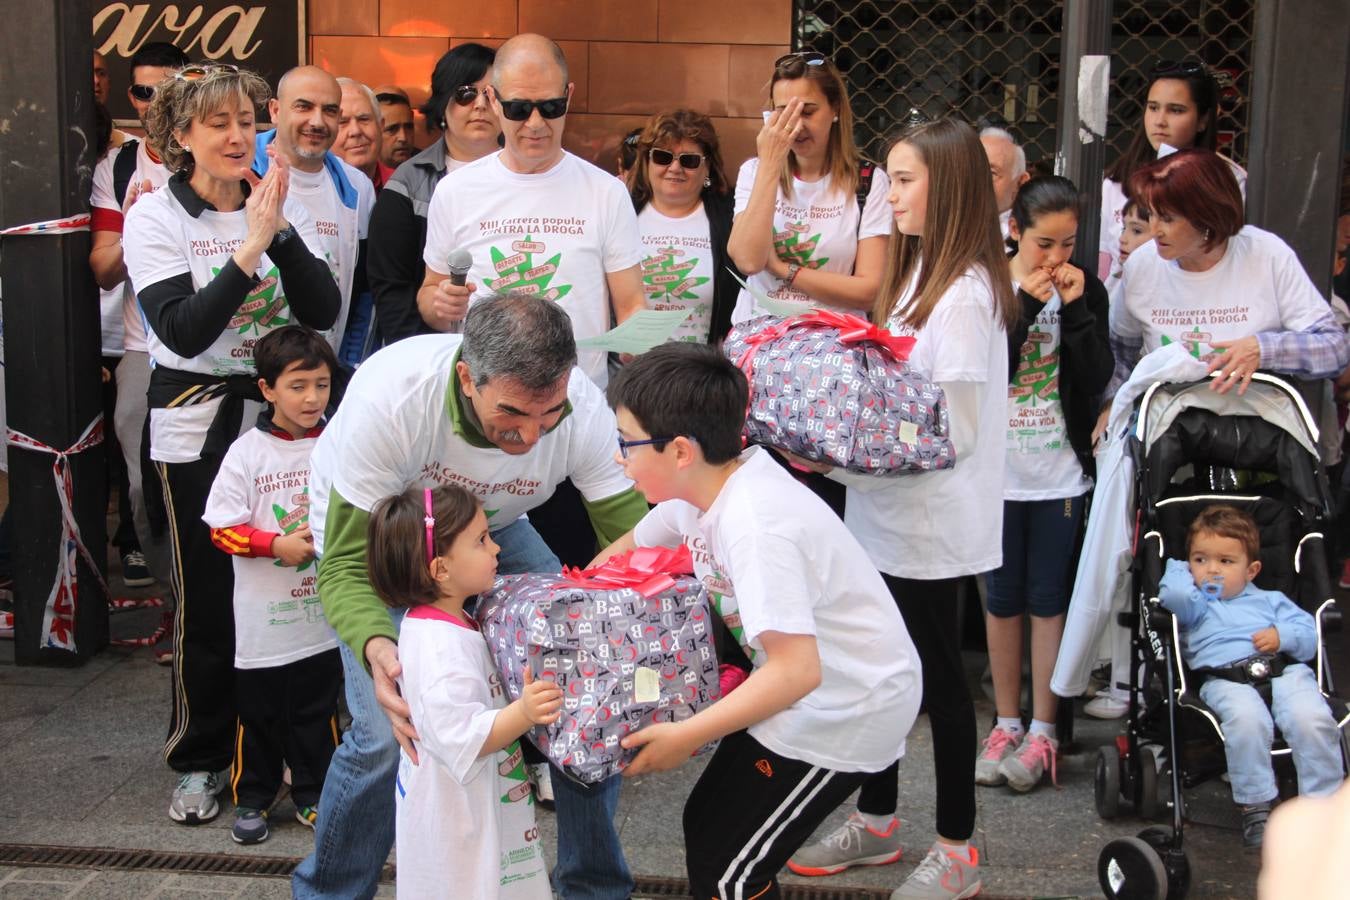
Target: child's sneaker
997,746
194,797
1254,826
852,844
943,875
1023,769
250,825
307,815
543,787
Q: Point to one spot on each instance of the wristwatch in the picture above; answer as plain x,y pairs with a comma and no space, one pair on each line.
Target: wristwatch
793,269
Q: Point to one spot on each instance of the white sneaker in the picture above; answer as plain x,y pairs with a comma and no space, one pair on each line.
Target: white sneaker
1107,705
543,784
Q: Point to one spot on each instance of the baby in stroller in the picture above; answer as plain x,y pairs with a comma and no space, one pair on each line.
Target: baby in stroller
1248,645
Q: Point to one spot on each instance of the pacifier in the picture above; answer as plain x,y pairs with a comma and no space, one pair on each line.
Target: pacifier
1213,588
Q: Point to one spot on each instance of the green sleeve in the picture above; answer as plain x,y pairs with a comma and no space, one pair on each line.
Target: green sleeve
353,609
615,516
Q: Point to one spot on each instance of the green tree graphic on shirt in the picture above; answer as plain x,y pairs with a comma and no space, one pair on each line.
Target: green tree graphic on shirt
1037,368
263,308
1191,340
664,277
516,270
512,768
792,249
289,522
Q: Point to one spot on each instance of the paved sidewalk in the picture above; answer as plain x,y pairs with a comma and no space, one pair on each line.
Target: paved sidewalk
79,749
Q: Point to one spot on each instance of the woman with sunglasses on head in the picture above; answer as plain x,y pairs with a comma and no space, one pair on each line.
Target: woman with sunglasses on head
398,224
811,215
680,192
1180,111
217,258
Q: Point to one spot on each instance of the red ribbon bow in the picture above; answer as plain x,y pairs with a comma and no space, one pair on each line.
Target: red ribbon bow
647,570
852,330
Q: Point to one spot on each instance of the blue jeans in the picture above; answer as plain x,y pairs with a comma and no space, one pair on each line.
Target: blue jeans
355,830
1305,721
1034,576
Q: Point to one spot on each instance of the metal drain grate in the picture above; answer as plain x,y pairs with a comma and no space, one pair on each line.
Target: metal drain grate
282,866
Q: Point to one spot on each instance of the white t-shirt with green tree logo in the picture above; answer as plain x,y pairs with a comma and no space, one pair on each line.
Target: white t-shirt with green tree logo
677,268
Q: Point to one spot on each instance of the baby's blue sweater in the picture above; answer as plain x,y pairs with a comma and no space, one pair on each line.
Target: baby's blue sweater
1217,632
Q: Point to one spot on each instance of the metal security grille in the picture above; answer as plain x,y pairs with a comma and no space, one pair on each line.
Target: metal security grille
998,60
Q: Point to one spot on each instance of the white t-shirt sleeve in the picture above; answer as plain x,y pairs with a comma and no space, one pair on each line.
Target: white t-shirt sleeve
373,449
745,180
454,723
660,527
622,241
229,502
959,331
154,249
1122,322
594,443
876,214
775,588
1301,306
440,231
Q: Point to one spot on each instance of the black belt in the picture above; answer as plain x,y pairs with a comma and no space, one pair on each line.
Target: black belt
1257,669
174,388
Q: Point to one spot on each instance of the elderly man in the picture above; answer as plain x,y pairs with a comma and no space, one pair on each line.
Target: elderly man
1008,168
398,128
337,196
360,135
533,216
503,411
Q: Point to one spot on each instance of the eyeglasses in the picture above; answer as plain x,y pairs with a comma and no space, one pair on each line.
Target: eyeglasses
666,157
193,74
465,94
805,57
520,110
143,92
625,445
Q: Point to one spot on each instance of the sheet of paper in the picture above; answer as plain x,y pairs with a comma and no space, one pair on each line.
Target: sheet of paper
638,333
773,307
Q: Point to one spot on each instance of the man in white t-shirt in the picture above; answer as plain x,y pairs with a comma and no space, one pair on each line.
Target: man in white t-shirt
337,196
124,174
505,412
534,217
1008,168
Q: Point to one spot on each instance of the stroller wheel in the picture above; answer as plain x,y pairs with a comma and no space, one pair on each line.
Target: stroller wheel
1106,782
1174,860
1130,869
1148,785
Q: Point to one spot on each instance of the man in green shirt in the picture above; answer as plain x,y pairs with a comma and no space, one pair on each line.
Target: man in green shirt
503,411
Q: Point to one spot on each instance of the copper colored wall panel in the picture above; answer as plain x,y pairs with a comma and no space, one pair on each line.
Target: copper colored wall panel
646,78
590,20
481,19
748,78
406,62
720,21
347,17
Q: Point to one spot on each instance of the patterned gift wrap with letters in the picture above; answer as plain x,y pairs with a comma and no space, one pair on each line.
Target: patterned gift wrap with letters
836,389
628,642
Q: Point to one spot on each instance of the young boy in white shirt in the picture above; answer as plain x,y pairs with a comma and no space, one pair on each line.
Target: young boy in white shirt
836,680
287,671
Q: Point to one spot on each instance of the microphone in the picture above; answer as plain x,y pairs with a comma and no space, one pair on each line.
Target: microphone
461,261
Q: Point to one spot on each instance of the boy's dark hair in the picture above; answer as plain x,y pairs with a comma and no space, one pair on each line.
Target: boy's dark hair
682,388
396,541
289,344
160,54
1132,208
1229,522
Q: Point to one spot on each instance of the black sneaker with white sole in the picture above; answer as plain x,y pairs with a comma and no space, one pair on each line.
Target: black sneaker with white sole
135,573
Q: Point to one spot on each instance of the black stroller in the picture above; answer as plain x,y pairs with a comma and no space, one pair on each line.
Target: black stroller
1192,448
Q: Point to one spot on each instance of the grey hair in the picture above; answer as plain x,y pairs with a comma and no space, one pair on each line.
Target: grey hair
345,82
1019,164
518,337
508,55
178,103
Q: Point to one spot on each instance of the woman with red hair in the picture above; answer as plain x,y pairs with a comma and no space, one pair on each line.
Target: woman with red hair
1233,294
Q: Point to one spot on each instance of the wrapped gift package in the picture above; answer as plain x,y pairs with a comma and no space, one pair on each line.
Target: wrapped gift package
628,642
836,389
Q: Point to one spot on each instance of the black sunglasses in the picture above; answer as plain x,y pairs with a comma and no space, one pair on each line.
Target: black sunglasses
143,92
198,73
1184,69
465,94
520,110
666,157
805,57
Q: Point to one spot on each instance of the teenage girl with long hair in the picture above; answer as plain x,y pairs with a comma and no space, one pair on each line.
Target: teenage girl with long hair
947,284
